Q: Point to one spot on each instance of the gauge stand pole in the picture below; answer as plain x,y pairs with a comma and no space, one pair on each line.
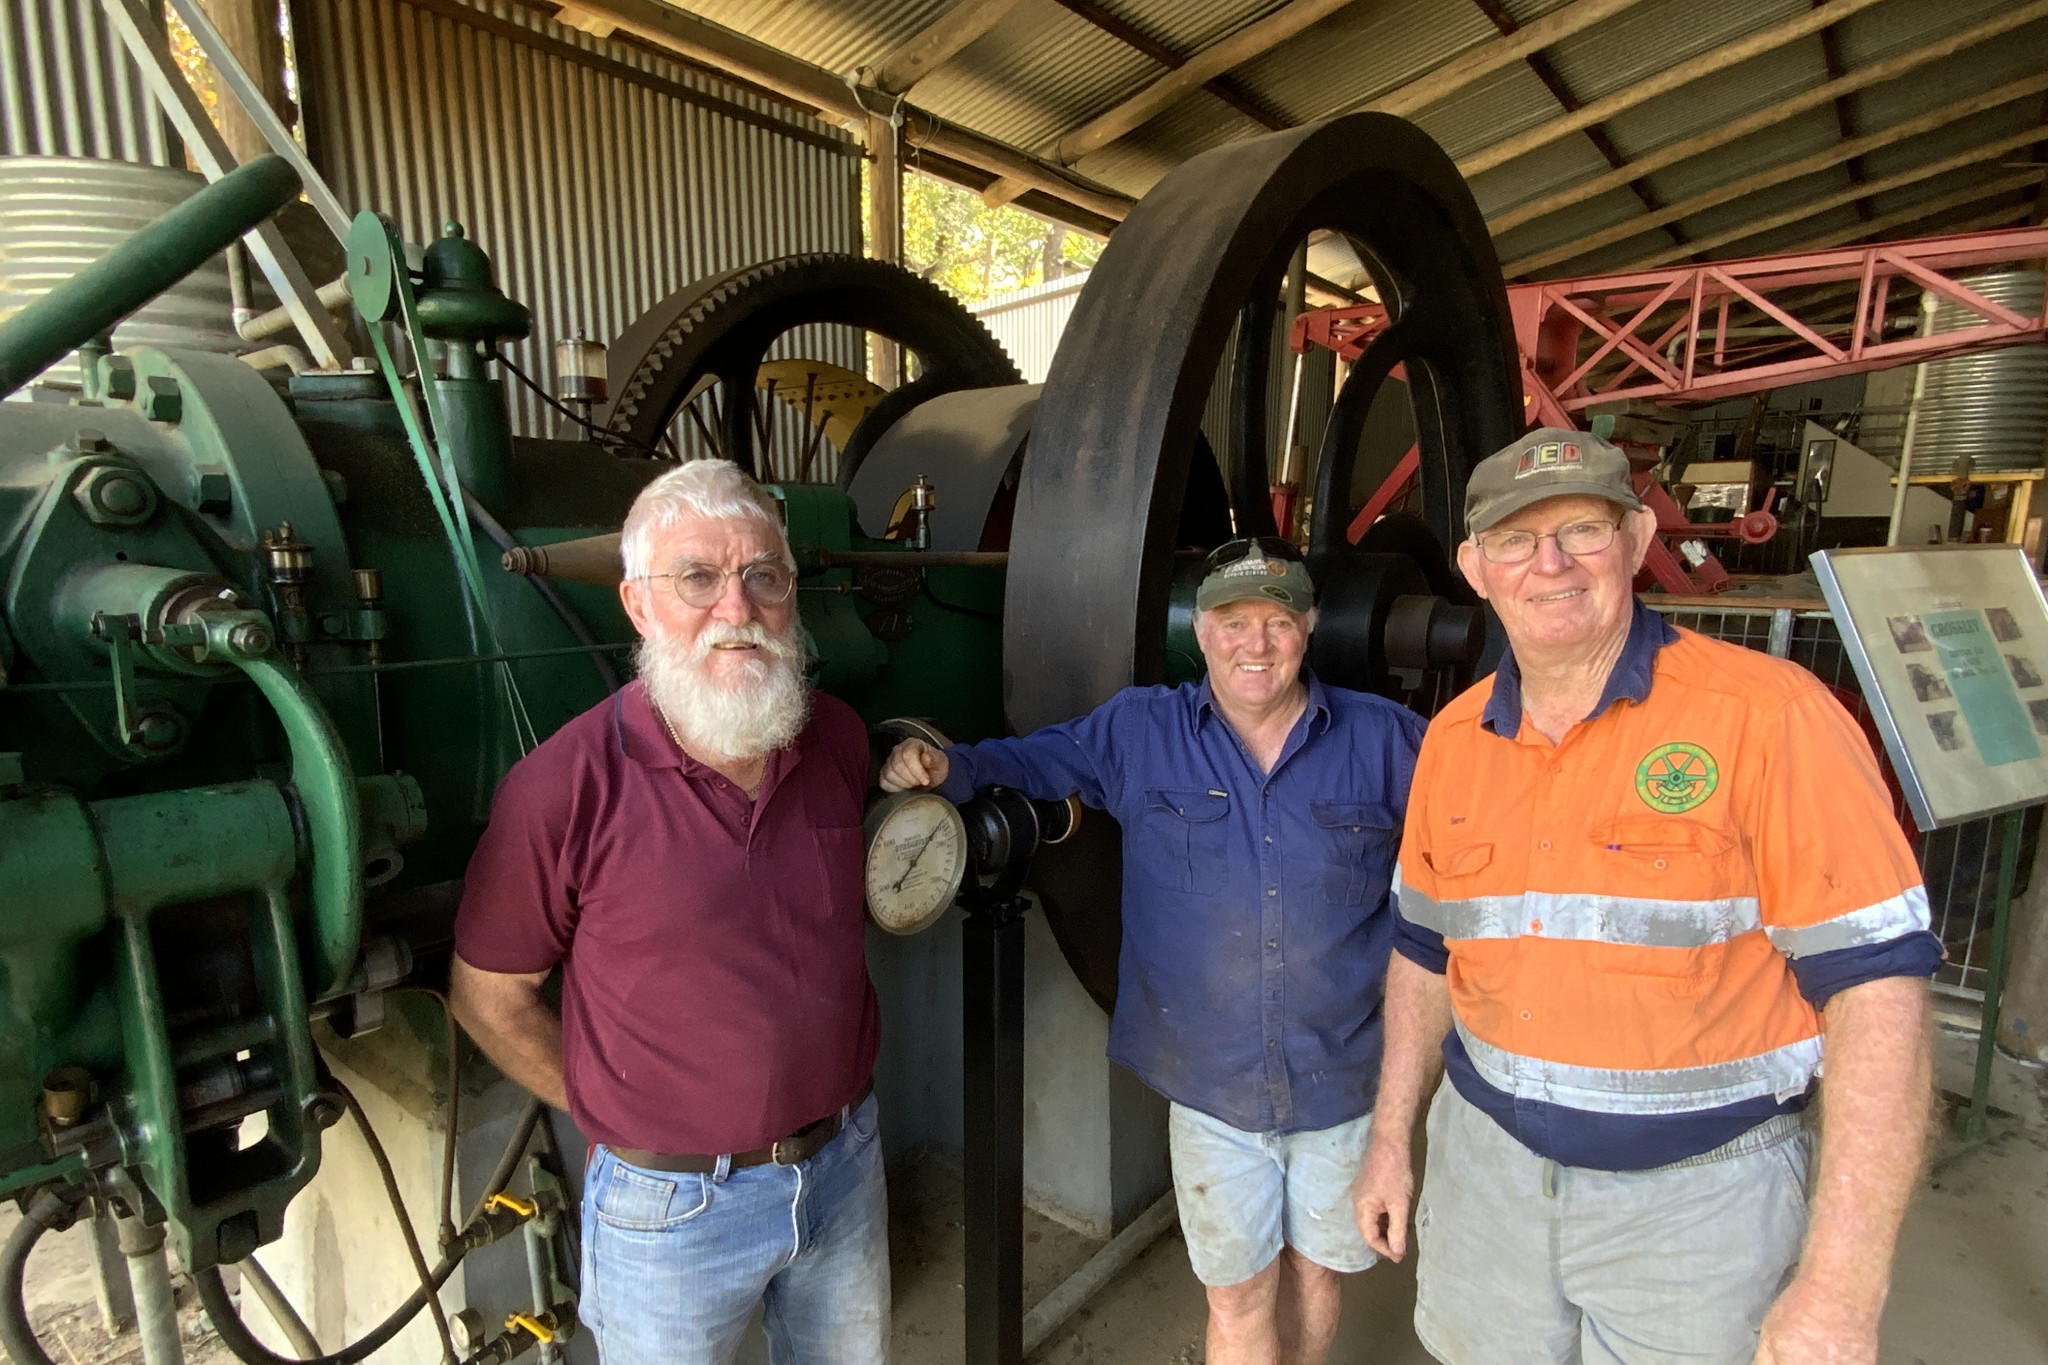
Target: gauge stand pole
992,1001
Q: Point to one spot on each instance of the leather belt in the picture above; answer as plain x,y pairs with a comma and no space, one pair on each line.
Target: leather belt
805,1143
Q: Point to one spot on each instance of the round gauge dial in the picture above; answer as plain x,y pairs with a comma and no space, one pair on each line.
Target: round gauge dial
916,860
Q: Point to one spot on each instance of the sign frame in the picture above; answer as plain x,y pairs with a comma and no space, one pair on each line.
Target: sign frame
1919,625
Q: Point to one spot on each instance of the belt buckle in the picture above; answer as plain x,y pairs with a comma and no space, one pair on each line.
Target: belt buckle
775,1152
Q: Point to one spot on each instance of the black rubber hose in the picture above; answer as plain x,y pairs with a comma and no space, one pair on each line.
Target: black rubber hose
49,1209
549,593
235,1334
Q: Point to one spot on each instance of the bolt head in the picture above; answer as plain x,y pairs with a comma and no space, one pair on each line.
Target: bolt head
160,399
324,1111
251,640
159,730
117,377
122,496
116,495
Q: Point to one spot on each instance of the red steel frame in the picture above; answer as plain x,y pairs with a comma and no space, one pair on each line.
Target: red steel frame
1690,359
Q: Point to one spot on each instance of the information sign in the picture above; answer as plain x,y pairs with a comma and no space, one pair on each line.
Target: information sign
1951,645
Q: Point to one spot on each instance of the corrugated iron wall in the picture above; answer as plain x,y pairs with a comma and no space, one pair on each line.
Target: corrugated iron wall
1028,322
67,88
600,177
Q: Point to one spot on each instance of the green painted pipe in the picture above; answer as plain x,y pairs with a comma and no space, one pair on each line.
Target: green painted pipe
96,298
334,818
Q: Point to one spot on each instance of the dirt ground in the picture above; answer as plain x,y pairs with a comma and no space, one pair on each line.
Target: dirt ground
64,1310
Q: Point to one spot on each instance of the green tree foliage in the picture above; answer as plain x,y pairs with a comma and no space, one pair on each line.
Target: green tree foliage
973,252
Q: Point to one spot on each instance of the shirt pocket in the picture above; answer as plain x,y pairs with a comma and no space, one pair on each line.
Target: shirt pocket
1355,837
1180,839
1681,863
644,1201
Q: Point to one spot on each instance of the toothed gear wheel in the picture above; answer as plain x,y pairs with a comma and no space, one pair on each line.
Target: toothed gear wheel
721,329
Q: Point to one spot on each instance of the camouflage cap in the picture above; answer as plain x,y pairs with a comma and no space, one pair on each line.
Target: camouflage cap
1258,577
1549,462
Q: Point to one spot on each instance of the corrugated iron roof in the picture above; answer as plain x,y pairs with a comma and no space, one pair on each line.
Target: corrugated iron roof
1044,71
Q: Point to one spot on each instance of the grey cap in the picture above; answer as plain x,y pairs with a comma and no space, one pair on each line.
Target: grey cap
1549,462
1258,577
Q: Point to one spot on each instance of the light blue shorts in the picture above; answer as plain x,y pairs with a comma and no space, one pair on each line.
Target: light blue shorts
1244,1195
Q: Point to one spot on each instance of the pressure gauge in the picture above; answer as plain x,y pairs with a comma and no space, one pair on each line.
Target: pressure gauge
916,860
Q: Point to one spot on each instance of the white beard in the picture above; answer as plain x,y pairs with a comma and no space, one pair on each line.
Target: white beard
745,717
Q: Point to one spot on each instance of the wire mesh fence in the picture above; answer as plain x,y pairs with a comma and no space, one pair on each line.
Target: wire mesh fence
1959,863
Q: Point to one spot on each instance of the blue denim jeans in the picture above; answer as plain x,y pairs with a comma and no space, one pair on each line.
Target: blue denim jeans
673,1264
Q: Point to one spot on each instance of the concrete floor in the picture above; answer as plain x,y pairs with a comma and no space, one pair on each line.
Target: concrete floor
1968,1289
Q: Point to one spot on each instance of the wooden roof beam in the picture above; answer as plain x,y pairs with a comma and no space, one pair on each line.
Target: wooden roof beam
1240,47
723,50
1921,212
1778,175
1770,116
1222,87
1480,62
936,44
1568,100
1662,83
1833,201
1006,188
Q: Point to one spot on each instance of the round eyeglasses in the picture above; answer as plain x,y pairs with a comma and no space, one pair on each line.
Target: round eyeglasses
766,583
1577,539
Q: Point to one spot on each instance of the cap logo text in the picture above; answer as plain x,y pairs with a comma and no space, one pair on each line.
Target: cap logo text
1548,456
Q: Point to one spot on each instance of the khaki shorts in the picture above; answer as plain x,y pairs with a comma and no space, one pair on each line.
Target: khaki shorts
1525,1262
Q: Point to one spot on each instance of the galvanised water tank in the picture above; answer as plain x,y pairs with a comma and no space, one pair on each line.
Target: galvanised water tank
1991,407
59,214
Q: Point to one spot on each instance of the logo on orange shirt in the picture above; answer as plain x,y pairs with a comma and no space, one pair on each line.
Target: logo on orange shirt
1674,778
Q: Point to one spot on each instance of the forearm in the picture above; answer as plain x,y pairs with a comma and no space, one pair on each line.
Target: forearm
1418,1015
1875,1105
514,1026
1047,766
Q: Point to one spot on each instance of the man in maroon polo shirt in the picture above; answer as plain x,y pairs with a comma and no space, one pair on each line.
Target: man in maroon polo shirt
688,852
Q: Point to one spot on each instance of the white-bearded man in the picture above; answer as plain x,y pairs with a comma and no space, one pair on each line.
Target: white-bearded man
689,853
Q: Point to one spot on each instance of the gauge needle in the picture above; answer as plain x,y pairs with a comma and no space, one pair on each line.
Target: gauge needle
913,860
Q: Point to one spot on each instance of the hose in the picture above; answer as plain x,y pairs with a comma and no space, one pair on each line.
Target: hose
49,1210
235,1335
405,1227
549,593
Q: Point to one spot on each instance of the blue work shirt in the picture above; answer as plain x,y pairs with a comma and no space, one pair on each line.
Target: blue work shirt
1256,928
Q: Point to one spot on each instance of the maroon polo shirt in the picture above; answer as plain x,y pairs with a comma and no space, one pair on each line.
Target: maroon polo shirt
715,991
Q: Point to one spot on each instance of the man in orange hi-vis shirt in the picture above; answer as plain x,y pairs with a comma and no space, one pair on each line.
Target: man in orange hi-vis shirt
1649,884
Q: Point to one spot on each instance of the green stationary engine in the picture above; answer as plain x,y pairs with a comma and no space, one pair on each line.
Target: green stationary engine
262,673
265,650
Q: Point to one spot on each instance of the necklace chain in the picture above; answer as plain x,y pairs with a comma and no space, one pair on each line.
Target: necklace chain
670,726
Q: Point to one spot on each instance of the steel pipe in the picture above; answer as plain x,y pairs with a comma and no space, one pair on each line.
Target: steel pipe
96,298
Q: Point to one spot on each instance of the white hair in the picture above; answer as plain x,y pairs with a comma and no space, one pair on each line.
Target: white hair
715,489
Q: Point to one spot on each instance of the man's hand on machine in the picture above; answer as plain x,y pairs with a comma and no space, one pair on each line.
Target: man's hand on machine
914,766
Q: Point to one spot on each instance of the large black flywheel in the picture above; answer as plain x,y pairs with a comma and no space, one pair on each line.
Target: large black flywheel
1098,518
700,353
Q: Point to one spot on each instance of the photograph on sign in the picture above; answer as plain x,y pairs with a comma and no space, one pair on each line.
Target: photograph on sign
1951,645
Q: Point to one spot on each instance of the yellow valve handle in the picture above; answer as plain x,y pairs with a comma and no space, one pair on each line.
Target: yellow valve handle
526,1322
525,1208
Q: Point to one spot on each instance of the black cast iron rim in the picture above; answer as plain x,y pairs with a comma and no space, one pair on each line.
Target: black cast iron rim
1099,504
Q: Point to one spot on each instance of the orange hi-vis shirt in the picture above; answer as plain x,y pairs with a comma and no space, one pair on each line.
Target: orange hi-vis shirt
1641,924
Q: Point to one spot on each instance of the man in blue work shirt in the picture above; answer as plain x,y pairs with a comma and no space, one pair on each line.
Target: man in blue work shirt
1260,811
